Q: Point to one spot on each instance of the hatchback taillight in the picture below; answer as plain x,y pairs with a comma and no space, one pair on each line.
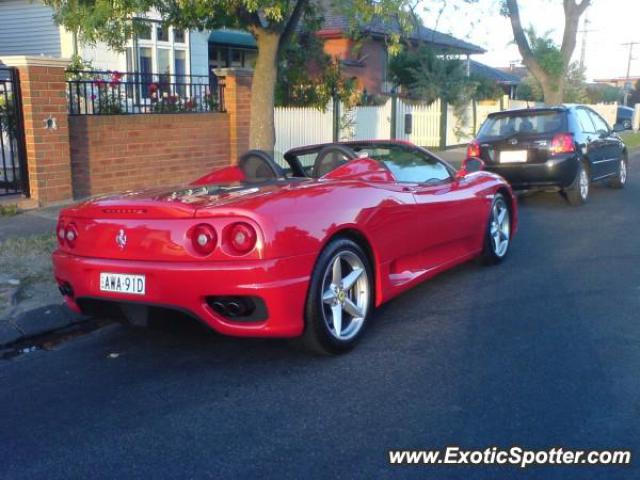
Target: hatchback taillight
204,238
473,150
241,237
562,143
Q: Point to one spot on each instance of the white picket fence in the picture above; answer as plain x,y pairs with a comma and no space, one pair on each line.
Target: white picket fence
296,127
419,124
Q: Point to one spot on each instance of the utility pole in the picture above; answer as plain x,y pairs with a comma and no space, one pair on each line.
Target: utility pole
585,31
627,85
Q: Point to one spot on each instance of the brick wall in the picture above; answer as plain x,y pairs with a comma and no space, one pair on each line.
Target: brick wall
44,109
119,152
78,156
371,73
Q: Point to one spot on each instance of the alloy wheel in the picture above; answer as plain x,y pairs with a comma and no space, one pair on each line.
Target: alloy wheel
584,184
623,172
345,295
500,227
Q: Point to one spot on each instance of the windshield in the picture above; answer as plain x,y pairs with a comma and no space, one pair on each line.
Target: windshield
530,123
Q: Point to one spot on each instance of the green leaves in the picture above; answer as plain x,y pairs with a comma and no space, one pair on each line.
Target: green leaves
547,53
425,77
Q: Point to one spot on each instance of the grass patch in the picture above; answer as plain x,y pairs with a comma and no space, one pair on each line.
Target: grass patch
28,259
631,139
8,210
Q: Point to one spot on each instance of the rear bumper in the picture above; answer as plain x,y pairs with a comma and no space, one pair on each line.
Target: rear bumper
280,283
558,172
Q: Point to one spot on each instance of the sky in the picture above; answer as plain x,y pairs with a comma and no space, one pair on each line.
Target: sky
612,22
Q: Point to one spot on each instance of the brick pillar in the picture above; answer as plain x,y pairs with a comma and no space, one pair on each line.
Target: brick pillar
237,100
44,105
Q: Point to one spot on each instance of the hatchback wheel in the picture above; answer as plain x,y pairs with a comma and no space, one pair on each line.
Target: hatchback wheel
498,235
620,179
578,192
340,299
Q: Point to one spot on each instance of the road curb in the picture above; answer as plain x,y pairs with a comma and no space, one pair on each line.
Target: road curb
37,322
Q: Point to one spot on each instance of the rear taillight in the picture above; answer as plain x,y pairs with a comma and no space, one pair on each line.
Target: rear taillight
473,150
71,234
562,143
241,238
60,233
204,238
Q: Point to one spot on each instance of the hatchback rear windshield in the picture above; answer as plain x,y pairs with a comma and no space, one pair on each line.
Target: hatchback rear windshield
536,123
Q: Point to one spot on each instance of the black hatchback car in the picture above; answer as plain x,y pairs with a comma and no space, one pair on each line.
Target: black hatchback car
562,148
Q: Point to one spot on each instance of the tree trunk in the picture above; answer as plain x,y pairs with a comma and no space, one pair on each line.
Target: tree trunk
552,89
262,129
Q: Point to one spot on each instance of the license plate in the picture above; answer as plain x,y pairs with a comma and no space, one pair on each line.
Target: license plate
122,283
513,156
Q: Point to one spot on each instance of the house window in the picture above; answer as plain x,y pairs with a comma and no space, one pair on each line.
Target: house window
145,33
161,55
221,56
178,36
164,51
162,33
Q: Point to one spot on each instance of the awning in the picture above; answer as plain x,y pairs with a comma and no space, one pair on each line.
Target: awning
232,38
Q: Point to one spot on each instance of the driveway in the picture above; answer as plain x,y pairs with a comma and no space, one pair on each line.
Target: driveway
541,351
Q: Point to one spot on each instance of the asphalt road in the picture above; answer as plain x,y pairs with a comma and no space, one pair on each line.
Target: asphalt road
541,351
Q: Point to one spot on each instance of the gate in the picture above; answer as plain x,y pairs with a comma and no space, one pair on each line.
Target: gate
13,158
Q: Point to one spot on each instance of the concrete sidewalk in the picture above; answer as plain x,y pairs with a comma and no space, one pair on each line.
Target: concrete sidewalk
29,222
30,304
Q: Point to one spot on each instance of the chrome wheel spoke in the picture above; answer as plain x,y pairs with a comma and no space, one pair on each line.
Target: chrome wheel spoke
352,309
329,296
336,312
502,215
350,280
336,277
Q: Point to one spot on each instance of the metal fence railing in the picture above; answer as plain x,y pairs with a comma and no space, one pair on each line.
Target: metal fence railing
100,92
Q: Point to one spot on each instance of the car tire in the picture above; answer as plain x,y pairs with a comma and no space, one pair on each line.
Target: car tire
332,323
497,238
620,180
578,192
627,125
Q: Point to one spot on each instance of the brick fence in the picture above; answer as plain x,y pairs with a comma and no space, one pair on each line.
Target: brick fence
73,157
112,153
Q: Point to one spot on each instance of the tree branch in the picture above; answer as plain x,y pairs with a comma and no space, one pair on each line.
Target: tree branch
523,43
292,23
572,13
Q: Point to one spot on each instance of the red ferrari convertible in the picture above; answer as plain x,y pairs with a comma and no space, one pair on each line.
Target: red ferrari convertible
307,251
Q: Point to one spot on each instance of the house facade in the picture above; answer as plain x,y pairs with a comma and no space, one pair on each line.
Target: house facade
367,59
27,28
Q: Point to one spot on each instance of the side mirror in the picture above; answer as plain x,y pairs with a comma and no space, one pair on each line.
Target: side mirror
618,127
470,165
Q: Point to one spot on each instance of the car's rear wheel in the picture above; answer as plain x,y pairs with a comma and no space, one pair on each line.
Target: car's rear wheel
620,180
498,236
578,192
340,298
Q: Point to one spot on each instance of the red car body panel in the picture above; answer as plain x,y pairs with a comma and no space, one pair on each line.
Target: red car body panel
410,231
